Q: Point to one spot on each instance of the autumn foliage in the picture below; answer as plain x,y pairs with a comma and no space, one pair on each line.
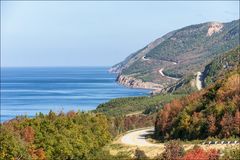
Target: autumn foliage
74,135
28,134
212,112
201,154
173,150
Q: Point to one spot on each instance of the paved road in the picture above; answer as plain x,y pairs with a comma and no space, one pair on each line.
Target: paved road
162,74
138,138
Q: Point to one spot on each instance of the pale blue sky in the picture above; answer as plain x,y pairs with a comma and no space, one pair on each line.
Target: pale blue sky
41,33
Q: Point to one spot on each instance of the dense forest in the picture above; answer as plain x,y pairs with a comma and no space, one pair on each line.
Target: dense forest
212,112
63,136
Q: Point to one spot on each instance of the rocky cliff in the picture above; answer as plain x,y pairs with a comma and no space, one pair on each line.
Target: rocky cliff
138,83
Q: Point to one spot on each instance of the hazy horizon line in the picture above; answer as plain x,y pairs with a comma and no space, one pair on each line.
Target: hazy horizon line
51,66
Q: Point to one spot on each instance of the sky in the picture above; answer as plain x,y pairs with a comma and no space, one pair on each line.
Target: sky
103,33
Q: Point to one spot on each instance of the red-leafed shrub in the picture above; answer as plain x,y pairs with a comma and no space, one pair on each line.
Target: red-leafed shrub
201,154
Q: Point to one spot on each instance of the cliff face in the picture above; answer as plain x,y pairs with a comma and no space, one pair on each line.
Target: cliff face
180,53
138,83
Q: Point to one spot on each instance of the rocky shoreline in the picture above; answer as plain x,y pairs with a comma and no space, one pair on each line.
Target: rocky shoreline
132,82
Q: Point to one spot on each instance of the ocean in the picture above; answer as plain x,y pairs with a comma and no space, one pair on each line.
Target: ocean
27,91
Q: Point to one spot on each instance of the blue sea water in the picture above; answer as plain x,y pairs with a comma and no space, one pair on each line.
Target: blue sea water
27,91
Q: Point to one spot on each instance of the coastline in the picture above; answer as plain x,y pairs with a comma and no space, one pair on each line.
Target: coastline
131,82
42,89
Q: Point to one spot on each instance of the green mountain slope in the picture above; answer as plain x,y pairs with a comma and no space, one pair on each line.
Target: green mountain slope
216,69
178,54
221,65
211,112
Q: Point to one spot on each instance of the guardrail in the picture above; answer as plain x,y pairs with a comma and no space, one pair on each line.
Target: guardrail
220,142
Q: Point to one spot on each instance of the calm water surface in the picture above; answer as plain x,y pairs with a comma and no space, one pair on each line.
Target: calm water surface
26,91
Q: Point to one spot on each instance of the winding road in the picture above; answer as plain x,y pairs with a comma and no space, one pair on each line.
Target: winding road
161,70
138,138
145,59
199,83
162,74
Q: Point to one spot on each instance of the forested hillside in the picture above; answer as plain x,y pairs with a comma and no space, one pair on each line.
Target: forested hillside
216,69
124,106
211,112
137,112
221,65
71,136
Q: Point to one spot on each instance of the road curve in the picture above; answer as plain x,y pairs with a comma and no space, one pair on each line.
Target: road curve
138,138
162,74
199,81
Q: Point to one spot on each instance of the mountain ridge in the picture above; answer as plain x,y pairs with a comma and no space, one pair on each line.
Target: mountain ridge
177,55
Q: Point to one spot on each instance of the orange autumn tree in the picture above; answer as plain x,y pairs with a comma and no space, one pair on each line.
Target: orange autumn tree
28,134
211,124
226,124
